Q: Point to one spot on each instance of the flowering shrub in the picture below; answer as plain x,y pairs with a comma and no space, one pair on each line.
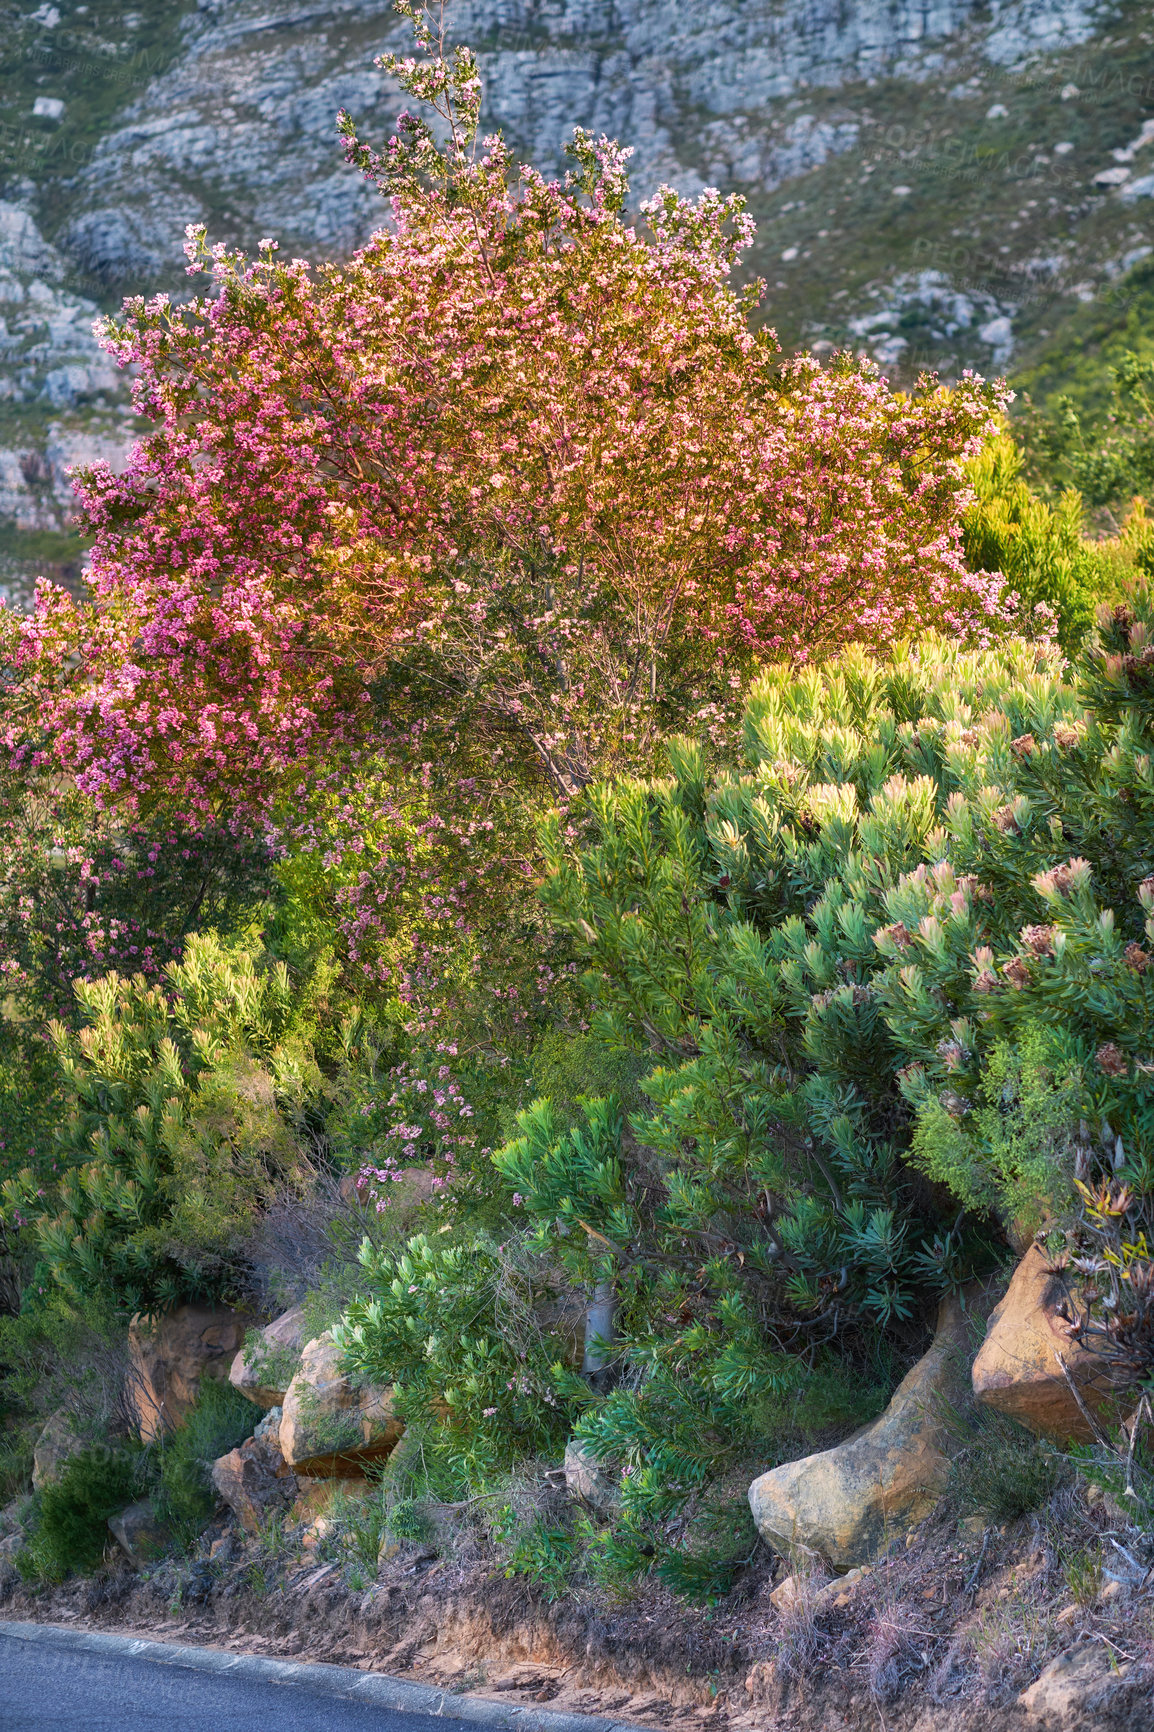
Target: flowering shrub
518,465
909,938
84,892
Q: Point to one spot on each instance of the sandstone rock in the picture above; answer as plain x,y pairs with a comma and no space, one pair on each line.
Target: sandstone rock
254,1479
1077,1683
316,1497
843,1589
55,1445
140,1532
846,1503
317,1533
1017,1369
14,1514
590,1479
171,1354
268,1361
790,1594
796,1591
10,1545
330,1427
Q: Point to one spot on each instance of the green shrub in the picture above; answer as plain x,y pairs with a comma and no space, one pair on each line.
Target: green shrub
889,988
70,1529
457,1330
1039,548
422,1473
548,1556
219,1421
185,1113
1002,1471
1099,435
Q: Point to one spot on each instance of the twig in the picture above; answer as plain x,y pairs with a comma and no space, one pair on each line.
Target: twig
1099,1637
1144,1403
1099,1434
978,1566
1130,1559
594,1234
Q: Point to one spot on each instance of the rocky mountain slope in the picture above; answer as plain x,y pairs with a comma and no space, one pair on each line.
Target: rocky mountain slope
944,183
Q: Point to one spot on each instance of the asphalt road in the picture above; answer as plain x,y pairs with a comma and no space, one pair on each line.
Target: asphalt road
44,1687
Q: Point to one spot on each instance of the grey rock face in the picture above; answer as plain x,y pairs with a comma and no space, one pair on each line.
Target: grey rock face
49,360
243,125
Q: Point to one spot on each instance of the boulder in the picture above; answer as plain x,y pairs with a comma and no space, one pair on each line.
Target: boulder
171,1354
268,1361
847,1503
10,1548
1075,1689
140,1532
589,1478
255,1479
1017,1369
316,1497
330,1426
55,1445
801,1593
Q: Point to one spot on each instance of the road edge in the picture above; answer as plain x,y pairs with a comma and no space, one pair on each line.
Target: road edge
377,1688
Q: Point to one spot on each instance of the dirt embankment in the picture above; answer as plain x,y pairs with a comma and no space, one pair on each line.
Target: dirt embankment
953,1635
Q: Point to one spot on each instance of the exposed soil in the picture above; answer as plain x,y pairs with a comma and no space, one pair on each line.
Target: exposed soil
943,1638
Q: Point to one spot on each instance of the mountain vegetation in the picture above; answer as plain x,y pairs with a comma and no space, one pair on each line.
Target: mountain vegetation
610,863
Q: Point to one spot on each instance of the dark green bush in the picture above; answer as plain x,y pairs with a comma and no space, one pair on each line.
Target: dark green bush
70,1531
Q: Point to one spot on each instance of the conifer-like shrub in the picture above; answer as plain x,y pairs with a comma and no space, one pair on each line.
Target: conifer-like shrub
887,985
183,1107
910,936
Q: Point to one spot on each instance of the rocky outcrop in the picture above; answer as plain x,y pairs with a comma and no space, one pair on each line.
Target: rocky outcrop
269,1359
1018,1369
141,1534
171,1354
55,1445
330,1426
847,1503
255,1479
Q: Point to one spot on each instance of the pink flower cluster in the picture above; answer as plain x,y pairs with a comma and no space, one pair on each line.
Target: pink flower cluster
519,464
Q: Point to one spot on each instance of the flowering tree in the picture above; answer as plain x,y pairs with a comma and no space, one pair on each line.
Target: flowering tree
519,465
